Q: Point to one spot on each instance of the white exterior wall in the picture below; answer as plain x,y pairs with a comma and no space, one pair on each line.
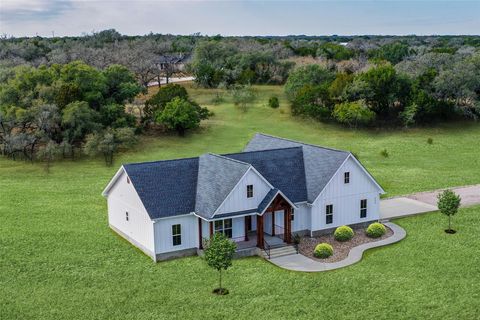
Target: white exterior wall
163,233
122,197
238,228
301,221
302,218
238,201
238,232
345,198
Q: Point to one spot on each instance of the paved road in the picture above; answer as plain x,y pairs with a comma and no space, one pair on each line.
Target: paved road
424,202
171,80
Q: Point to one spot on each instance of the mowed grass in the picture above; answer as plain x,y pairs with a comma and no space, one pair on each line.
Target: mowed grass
59,260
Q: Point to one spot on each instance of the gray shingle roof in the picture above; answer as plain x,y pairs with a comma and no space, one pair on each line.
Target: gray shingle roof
283,168
175,187
267,200
166,188
320,163
217,176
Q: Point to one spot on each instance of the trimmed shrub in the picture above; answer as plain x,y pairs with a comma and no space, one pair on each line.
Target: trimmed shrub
376,230
384,153
323,250
430,141
273,102
343,233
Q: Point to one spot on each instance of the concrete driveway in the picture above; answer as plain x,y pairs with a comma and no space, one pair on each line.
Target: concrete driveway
425,202
403,206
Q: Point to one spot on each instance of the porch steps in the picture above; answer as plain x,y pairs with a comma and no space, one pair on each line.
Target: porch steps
280,252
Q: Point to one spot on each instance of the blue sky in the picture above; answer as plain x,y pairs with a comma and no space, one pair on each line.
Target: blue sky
74,17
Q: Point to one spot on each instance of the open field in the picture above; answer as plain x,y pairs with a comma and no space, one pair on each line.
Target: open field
58,258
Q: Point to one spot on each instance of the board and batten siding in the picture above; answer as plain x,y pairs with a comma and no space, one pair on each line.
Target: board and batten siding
164,237
302,218
346,197
122,198
237,200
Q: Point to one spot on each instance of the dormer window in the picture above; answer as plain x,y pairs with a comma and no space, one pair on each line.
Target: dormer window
250,191
347,177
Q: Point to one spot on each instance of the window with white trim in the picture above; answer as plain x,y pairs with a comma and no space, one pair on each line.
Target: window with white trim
329,214
250,191
346,177
363,208
292,215
224,226
177,234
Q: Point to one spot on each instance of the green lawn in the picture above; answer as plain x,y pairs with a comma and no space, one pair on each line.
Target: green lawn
59,260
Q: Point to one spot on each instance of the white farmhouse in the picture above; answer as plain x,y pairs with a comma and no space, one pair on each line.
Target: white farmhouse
260,197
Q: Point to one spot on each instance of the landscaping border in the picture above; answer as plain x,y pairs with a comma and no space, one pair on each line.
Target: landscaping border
299,262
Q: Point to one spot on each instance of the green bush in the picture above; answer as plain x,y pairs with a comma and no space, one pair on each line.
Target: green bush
353,114
273,102
323,250
384,153
376,230
343,233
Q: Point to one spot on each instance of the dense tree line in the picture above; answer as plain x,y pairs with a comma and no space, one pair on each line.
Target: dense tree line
217,63
51,111
62,93
424,88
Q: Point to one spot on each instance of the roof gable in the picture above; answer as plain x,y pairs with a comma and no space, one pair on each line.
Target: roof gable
320,164
217,177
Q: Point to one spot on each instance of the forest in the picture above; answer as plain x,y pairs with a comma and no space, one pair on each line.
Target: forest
62,94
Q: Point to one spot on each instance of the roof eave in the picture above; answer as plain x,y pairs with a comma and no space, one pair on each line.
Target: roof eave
113,181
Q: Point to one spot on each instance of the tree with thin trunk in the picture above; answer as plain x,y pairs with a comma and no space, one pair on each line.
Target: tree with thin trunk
48,153
219,254
448,204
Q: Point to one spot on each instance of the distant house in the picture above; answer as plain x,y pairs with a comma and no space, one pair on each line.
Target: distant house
270,191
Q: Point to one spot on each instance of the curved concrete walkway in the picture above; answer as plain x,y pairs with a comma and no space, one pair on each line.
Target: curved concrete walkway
299,262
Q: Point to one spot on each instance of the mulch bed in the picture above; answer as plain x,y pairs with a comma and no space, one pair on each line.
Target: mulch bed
340,249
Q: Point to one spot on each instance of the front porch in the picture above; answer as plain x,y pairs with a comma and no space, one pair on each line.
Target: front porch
267,227
252,241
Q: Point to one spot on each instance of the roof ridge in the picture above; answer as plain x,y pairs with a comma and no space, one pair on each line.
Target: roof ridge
227,158
307,144
158,161
265,150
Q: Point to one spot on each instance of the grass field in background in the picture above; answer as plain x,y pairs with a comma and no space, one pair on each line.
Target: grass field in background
58,258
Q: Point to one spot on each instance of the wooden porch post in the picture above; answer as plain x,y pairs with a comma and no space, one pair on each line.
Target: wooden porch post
211,229
260,231
246,227
200,238
285,225
273,223
288,228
